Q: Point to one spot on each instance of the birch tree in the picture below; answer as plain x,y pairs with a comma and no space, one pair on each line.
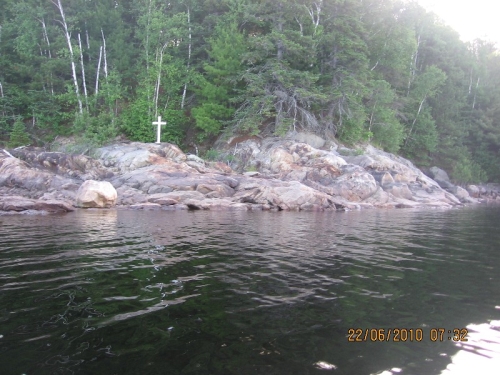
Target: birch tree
184,91
67,35
421,134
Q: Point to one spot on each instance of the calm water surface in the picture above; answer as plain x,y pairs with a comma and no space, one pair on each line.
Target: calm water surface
127,292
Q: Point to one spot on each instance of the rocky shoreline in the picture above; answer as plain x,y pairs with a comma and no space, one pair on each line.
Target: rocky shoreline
281,174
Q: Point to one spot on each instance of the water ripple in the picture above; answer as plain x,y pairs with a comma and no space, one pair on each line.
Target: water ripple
90,286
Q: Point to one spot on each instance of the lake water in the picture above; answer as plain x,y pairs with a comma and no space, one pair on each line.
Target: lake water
132,292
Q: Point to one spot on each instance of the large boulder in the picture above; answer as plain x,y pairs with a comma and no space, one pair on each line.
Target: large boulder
441,177
283,195
473,191
461,194
309,138
96,194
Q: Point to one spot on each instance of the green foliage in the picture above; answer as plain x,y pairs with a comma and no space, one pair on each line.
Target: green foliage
137,123
224,157
388,135
487,159
385,71
351,152
387,131
18,135
210,117
423,140
467,171
219,83
97,130
212,155
421,132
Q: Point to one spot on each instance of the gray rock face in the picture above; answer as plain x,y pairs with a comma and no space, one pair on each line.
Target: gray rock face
96,194
461,194
375,178
473,191
22,204
441,177
399,190
282,195
309,138
129,157
286,175
438,174
72,166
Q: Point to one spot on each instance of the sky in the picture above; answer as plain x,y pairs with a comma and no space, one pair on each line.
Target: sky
471,18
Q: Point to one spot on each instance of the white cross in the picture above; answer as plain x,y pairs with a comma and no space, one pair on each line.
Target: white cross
159,123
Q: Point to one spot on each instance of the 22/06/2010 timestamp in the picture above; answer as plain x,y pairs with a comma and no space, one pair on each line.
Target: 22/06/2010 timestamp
406,334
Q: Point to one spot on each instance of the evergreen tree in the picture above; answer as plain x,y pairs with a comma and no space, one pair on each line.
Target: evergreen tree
18,135
219,83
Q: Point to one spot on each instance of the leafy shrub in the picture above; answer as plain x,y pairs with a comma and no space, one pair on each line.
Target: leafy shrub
137,124
18,135
467,171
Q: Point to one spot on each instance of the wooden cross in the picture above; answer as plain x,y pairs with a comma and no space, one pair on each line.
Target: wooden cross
159,123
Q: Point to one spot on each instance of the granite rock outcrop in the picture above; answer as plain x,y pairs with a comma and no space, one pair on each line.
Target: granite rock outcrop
274,174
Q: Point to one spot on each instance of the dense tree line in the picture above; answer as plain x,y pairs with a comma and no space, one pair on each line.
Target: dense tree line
383,71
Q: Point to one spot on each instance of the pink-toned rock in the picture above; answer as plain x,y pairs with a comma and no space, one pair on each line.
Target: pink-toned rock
145,206
216,205
20,204
220,167
96,194
53,205
378,199
215,191
473,191
399,190
162,199
16,203
182,196
282,195
355,184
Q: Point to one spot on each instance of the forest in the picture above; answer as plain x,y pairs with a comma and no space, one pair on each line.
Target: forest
380,71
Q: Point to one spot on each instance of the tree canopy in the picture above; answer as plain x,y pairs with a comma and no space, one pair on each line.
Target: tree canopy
380,71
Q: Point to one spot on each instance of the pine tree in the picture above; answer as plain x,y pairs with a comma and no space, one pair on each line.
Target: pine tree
18,135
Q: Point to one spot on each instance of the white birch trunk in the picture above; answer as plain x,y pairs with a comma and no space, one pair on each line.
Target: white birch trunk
46,37
301,28
1,94
98,71
475,94
415,119
470,81
147,35
83,72
71,54
87,38
189,58
315,14
148,90
158,79
371,117
105,59
413,67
